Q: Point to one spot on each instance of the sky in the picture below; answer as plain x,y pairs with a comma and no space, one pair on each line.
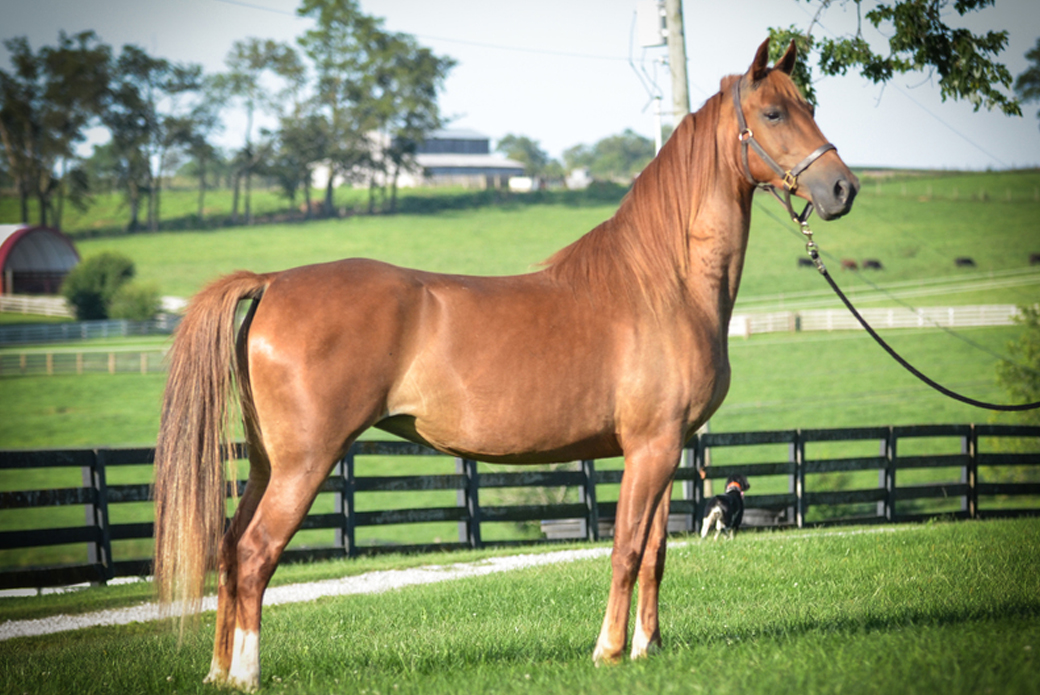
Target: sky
561,71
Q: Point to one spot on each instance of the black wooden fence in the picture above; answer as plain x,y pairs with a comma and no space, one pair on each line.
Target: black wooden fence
986,496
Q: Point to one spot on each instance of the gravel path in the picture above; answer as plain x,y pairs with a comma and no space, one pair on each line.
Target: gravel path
369,583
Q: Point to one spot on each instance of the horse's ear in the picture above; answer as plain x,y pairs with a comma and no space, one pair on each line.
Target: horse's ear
760,65
787,60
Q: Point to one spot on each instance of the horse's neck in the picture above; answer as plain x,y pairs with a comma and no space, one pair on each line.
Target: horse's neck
717,243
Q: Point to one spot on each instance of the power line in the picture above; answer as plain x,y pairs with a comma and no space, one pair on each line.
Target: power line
464,42
258,7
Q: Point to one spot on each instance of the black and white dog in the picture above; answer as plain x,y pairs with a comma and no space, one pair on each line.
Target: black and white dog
726,511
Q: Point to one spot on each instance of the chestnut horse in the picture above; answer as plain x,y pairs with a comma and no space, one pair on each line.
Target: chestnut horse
617,346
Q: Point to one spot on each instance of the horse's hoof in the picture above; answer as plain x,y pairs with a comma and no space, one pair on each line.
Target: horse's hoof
600,657
216,675
242,684
645,650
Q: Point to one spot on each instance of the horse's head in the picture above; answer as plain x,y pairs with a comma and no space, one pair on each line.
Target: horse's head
781,145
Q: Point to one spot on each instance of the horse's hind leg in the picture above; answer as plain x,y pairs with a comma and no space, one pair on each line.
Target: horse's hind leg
227,565
646,636
294,483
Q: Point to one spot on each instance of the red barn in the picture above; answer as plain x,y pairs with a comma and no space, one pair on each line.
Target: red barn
34,260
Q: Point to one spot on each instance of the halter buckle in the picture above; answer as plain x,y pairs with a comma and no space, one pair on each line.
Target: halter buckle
745,135
790,182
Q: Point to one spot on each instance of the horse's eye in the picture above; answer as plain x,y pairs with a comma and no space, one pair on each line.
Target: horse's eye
773,115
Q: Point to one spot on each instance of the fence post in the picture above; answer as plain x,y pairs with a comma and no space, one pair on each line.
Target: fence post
698,481
889,473
99,552
587,493
687,460
345,535
799,479
469,530
792,480
970,473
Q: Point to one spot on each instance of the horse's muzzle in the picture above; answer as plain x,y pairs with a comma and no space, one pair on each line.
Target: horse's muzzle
832,196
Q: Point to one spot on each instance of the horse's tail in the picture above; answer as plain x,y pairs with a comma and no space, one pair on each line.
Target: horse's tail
195,438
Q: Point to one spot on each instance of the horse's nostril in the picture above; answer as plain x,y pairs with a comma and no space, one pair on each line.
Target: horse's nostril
841,191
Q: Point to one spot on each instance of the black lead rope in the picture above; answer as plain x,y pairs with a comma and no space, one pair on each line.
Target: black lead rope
814,254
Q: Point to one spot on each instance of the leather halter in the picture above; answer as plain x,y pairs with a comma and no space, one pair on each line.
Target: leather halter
790,178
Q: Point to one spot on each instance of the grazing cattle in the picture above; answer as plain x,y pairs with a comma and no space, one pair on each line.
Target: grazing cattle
805,263
1034,259
848,264
872,264
616,347
964,262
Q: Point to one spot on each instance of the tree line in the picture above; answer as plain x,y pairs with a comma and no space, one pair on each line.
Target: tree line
350,95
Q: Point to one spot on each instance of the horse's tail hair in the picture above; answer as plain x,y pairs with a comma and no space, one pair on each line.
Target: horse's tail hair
195,439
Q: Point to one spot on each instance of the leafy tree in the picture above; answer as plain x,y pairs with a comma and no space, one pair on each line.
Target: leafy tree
615,158
370,82
404,80
145,117
1021,377
90,287
46,103
135,301
1027,84
248,62
526,151
337,48
194,132
299,144
919,39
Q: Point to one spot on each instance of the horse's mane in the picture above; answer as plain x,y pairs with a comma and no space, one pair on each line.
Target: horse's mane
642,251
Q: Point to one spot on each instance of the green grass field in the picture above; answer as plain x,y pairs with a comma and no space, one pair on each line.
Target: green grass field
940,608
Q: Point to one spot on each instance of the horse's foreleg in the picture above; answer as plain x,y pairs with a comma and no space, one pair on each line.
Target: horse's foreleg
227,575
646,637
648,473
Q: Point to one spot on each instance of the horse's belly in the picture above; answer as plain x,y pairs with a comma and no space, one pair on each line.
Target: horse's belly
505,448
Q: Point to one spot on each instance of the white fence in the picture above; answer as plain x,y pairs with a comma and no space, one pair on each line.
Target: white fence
45,306
744,325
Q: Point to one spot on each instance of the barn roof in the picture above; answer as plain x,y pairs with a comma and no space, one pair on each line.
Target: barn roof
28,248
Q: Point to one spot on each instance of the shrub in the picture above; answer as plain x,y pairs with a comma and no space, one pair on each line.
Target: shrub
91,285
135,301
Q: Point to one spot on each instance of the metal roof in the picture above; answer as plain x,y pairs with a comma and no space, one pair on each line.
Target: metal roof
28,248
468,164
459,134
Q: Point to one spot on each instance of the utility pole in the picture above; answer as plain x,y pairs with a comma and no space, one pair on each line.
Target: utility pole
677,59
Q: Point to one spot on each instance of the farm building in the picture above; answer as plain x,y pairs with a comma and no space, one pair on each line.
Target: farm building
462,157
34,260
445,158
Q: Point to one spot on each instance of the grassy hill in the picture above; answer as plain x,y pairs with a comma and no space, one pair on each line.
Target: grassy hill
915,224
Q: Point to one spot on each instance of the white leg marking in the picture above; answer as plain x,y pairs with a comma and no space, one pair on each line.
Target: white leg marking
641,646
216,675
245,661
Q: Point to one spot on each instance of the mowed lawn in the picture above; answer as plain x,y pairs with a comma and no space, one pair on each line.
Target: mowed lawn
939,608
